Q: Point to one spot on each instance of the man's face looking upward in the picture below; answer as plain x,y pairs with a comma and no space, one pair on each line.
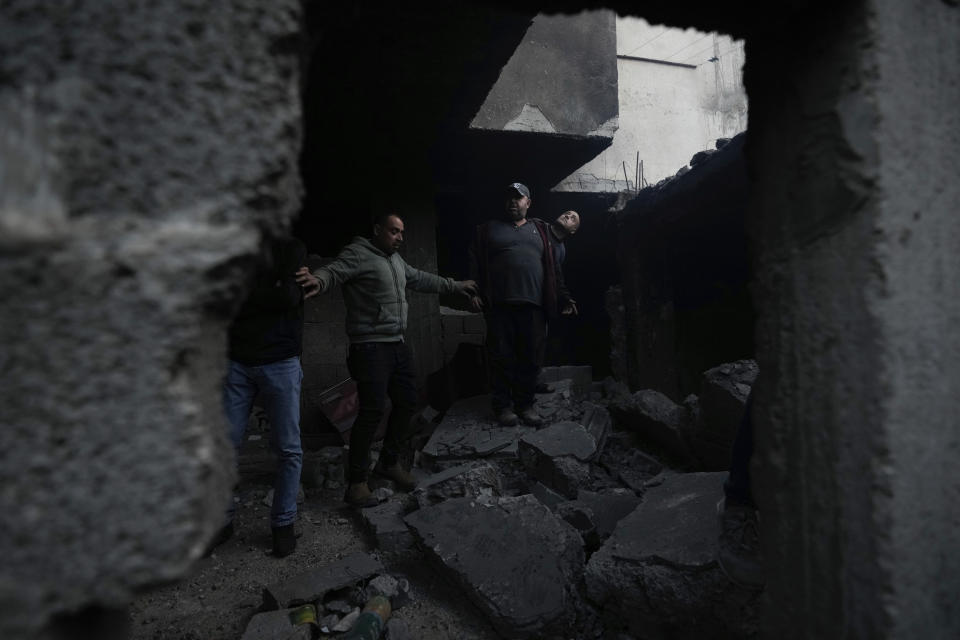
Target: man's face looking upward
569,221
388,236
517,205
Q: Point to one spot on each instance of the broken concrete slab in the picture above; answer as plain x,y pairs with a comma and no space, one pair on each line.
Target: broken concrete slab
472,479
657,574
581,518
270,625
557,455
311,586
655,418
386,525
723,396
468,430
513,558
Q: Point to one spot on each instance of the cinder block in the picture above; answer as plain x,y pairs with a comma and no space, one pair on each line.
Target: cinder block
474,324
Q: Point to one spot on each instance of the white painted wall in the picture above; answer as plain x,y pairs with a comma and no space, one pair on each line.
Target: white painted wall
668,112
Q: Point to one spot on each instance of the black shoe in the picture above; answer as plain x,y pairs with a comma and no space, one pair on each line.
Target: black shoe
284,541
225,533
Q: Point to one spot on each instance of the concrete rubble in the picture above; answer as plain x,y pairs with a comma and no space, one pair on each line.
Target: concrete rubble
600,521
657,575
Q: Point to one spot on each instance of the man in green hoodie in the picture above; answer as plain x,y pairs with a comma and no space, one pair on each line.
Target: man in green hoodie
374,279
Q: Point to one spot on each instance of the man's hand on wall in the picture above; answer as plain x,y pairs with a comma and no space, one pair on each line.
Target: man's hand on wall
476,303
467,287
308,282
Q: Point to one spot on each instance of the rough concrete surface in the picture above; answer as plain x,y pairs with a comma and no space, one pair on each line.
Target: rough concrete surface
118,275
512,556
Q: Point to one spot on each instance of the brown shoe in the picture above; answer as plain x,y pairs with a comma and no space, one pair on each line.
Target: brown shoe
506,417
358,495
398,474
530,417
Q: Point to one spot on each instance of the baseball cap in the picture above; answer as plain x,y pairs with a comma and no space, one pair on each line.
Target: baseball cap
519,188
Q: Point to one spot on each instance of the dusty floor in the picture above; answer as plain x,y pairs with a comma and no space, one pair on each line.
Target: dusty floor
218,598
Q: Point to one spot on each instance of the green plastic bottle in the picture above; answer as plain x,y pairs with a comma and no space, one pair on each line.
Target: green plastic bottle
372,619
304,621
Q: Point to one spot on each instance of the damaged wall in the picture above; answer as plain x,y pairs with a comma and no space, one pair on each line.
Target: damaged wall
144,150
854,144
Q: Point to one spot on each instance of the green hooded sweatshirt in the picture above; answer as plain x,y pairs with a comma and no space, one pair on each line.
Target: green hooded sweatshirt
374,290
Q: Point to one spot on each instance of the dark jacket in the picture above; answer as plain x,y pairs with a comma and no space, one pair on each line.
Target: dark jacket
269,325
374,290
555,294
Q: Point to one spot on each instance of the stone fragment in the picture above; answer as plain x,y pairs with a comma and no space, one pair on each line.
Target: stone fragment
655,418
311,586
385,523
328,622
657,574
394,589
346,623
723,395
512,557
472,479
270,625
338,605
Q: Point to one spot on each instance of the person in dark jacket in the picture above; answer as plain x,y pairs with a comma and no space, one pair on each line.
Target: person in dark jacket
513,260
375,278
265,343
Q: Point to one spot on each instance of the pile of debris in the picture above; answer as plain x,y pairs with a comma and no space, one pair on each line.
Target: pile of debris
601,522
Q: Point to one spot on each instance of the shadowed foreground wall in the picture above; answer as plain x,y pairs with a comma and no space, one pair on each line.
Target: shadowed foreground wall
853,142
144,148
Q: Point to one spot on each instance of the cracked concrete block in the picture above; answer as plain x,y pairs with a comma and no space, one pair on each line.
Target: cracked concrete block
311,586
512,557
385,523
655,418
657,574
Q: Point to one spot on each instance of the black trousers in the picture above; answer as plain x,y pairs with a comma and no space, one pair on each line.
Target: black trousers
381,370
515,339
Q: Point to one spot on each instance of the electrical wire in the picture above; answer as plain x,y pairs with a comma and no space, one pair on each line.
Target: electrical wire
687,46
665,29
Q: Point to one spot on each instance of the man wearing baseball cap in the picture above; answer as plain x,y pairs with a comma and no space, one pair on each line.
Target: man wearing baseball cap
513,261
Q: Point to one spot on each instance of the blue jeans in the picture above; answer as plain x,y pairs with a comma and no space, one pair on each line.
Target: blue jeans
279,386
